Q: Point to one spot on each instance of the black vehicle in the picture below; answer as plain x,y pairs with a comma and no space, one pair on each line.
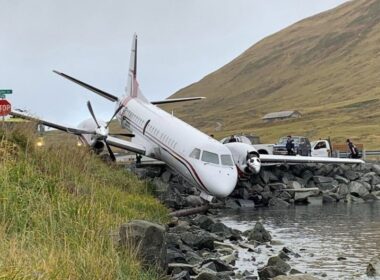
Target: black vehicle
302,146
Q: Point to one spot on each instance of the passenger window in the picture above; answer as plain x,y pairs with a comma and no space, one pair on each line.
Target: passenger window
210,157
226,160
196,153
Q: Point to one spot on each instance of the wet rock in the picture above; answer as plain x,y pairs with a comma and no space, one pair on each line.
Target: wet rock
370,197
343,190
269,272
175,256
283,195
328,199
279,263
275,202
259,234
282,255
203,222
296,277
232,204
199,240
294,271
217,265
221,230
149,238
302,196
353,199
245,203
373,268
358,189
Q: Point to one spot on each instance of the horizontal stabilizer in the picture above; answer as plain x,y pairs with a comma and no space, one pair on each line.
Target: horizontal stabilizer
175,100
302,159
89,87
68,129
126,145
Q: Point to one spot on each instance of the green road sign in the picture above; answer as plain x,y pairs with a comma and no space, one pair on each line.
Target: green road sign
2,95
5,91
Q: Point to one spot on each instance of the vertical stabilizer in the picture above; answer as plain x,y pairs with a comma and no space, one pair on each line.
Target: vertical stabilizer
133,89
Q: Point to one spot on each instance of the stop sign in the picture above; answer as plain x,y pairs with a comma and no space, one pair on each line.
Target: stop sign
5,107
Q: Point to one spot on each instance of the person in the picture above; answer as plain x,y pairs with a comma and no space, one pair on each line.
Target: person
290,145
354,152
232,139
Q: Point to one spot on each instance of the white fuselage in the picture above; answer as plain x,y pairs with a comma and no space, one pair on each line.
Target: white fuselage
203,161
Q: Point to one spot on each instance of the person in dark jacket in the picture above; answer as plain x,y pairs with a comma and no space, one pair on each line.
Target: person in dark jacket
290,145
232,139
354,152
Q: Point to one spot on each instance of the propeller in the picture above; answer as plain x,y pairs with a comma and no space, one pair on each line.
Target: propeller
102,131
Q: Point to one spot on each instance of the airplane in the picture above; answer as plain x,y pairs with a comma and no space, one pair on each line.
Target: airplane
212,167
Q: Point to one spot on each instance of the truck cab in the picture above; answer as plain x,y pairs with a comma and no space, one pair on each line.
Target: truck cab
321,148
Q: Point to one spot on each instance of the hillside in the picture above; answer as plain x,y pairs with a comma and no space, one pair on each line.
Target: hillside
327,67
60,208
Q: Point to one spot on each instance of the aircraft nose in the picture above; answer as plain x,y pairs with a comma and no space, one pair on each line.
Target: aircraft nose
220,182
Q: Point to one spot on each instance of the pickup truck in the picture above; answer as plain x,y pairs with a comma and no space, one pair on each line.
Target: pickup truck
324,148
264,149
301,145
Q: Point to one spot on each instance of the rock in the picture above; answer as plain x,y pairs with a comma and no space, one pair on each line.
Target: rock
217,265
173,240
343,190
277,203
269,272
232,204
221,230
193,200
166,176
282,255
353,199
302,196
245,203
279,263
199,240
358,189
370,197
175,256
183,275
203,222
207,276
277,186
259,234
328,199
179,267
307,175
341,179
294,185
376,168
294,271
296,277
256,189
373,268
322,179
150,240
351,175
193,258
283,195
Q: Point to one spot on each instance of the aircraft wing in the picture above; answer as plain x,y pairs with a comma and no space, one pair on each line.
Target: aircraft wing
126,145
64,128
273,159
174,100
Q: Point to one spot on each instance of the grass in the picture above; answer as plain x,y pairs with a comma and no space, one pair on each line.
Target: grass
325,67
59,209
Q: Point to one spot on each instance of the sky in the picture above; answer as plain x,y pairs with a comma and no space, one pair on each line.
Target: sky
179,42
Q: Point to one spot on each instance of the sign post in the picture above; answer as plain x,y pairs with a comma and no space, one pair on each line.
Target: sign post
5,106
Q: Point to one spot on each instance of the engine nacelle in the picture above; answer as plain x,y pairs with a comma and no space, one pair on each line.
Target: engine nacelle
246,158
94,141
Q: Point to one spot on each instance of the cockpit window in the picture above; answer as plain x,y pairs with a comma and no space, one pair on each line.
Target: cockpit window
226,160
196,153
210,157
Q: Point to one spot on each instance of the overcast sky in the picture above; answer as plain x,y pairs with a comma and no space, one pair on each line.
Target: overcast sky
180,41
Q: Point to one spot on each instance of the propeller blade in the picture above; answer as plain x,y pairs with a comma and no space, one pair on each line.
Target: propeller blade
122,134
117,111
112,155
92,113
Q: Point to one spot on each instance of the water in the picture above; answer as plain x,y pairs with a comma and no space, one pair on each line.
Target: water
320,234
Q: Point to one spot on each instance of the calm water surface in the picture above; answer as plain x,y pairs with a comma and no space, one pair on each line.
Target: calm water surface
320,234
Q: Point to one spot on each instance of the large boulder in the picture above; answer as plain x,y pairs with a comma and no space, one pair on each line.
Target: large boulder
148,239
259,234
203,222
296,277
373,268
358,189
269,272
199,240
279,263
376,168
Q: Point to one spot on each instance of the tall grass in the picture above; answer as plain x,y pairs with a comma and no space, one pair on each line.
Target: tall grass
59,207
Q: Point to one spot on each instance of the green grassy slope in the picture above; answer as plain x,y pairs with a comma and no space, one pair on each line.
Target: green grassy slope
326,67
59,206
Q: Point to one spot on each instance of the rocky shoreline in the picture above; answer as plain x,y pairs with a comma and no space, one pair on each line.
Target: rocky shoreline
201,247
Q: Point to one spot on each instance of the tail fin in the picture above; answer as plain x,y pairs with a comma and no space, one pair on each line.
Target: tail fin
132,89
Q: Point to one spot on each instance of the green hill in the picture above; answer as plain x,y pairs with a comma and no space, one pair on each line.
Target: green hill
326,67
59,208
